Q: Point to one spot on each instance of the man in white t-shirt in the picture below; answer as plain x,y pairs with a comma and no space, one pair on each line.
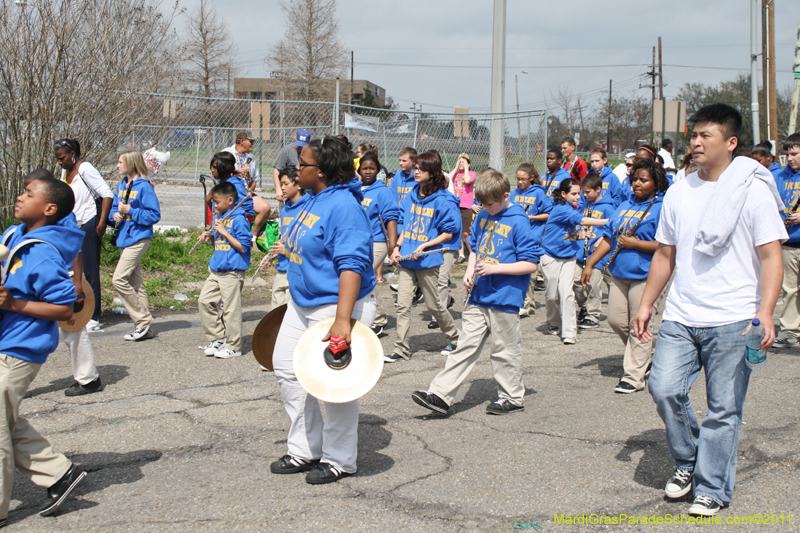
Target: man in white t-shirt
247,169
716,292
666,155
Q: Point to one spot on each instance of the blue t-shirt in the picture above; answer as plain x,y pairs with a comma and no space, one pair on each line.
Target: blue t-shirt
145,211
424,219
225,257
512,241
562,231
633,264
289,211
788,182
551,182
379,204
534,201
603,208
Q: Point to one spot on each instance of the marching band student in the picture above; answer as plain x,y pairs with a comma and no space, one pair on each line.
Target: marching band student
294,200
502,231
555,174
593,204
453,248
629,269
227,267
611,185
788,181
223,168
382,213
560,245
330,274
531,195
403,180
430,218
36,293
134,213
763,154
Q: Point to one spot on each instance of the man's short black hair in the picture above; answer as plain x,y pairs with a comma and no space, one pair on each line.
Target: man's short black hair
225,189
666,142
726,117
55,191
792,141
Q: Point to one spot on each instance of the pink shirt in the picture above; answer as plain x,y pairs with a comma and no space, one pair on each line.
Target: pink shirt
464,191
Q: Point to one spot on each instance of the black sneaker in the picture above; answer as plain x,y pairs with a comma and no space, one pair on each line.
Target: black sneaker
417,296
582,314
291,465
785,341
377,330
393,358
502,406
430,401
58,492
587,324
679,485
433,324
451,302
79,390
325,473
704,506
539,286
623,387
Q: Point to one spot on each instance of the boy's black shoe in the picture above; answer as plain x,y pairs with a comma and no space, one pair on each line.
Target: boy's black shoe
539,286
450,302
582,314
57,494
417,296
291,465
587,324
705,506
623,387
79,390
377,330
325,473
502,406
430,401
679,485
433,324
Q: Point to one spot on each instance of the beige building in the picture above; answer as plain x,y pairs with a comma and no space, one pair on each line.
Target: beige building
271,88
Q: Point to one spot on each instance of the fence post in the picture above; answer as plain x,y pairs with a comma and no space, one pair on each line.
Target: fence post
260,145
336,110
528,141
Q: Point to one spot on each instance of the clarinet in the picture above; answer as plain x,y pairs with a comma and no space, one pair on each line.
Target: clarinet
586,241
223,219
481,257
628,234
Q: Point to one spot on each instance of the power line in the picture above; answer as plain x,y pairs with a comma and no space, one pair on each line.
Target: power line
489,66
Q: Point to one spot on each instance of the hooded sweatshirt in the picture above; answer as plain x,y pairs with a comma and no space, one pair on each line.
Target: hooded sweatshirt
534,201
38,273
329,236
145,211
511,242
424,219
289,211
551,183
241,192
225,257
788,182
379,202
561,232
632,264
402,184
611,186
603,208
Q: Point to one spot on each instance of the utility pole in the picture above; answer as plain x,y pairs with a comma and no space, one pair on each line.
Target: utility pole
497,131
770,93
754,68
796,91
351,78
608,131
661,94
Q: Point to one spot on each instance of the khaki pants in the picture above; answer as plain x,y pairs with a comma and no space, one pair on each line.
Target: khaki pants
530,304
623,303
450,257
379,252
20,444
129,284
225,287
427,280
560,300
790,316
280,289
506,355
590,297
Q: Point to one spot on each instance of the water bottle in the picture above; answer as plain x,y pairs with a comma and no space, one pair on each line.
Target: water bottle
754,355
120,310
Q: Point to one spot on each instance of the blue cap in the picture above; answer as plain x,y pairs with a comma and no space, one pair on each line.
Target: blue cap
756,322
302,138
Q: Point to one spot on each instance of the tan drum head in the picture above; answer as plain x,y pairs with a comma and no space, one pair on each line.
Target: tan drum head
82,317
266,334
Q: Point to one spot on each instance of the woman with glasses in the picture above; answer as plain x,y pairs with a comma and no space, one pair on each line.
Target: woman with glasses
93,199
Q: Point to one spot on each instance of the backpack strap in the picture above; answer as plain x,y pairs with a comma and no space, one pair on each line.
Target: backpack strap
13,252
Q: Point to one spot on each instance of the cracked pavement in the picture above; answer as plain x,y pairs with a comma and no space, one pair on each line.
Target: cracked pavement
178,441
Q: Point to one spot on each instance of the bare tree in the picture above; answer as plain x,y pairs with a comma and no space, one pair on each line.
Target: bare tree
563,100
210,54
310,49
77,69
631,119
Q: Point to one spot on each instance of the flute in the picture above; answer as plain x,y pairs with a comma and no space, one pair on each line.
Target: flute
266,261
416,256
628,234
223,219
481,257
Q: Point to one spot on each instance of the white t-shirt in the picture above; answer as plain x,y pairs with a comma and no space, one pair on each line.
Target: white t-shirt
252,168
715,291
621,172
85,207
668,162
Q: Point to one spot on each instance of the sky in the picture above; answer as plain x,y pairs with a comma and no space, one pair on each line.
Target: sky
591,42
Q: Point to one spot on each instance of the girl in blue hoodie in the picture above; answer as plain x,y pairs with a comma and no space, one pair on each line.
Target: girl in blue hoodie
134,212
329,246
429,219
612,188
630,267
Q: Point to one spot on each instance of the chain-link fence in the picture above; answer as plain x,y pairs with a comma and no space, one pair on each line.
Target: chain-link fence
193,129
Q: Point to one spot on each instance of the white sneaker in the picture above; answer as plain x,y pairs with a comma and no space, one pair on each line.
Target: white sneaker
227,353
139,334
213,347
569,340
523,312
93,325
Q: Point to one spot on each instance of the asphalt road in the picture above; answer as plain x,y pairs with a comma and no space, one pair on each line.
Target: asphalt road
182,442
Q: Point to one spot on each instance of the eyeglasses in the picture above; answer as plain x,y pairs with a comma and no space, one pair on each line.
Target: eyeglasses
63,143
303,165
628,164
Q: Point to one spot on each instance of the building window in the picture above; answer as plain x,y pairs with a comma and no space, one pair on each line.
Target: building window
255,95
269,96
377,91
357,99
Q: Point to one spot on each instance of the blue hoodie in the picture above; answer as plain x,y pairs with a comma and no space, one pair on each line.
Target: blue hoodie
424,219
225,257
627,190
633,264
611,186
329,236
289,211
603,208
454,244
561,232
378,200
534,201
145,212
241,192
551,183
402,184
512,242
776,169
39,274
788,182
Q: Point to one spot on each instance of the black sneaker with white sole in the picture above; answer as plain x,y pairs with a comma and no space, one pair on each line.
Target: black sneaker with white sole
58,492
705,506
291,465
377,330
502,406
623,387
433,324
588,324
325,473
679,485
393,358
539,286
140,334
430,401
785,341
417,296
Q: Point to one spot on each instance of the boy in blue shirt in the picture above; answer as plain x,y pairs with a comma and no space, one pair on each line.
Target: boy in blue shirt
230,232
788,182
36,292
403,180
502,232
293,202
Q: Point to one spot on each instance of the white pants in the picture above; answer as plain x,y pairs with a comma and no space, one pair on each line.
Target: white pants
80,348
335,439
560,300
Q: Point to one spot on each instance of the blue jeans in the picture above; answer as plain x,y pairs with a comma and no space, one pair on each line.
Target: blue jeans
708,450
